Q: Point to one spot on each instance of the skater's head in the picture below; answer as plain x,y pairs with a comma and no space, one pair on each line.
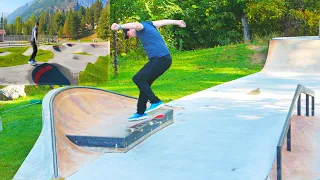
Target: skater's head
129,33
37,24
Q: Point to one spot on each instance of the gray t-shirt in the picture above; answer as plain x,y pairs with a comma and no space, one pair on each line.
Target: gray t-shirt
32,34
152,41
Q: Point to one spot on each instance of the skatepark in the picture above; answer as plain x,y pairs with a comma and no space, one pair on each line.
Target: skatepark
70,58
229,131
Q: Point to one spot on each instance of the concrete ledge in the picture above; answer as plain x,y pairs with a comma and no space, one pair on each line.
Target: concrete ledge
126,142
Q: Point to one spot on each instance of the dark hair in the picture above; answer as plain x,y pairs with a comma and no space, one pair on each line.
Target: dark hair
125,33
37,23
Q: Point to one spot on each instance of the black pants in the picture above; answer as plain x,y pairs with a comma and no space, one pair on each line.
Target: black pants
146,76
35,50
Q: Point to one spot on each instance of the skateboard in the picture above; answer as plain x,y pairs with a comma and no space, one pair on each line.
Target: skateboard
36,64
139,126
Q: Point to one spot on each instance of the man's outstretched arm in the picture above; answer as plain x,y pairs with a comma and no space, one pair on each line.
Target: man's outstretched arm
136,26
165,22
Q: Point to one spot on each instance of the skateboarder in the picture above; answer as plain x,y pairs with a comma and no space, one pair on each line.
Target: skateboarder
34,39
159,61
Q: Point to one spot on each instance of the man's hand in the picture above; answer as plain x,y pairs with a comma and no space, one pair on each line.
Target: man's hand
182,24
115,27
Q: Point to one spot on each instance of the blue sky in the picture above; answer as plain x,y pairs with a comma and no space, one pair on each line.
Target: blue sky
11,5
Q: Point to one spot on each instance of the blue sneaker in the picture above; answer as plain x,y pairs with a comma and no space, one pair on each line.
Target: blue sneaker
137,117
154,106
32,61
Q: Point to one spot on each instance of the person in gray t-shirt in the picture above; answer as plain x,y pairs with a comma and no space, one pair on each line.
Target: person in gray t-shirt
159,57
34,39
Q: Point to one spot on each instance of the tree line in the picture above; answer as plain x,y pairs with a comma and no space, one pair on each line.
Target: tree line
219,22
70,24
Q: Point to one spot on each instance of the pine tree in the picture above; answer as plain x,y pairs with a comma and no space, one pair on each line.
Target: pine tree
43,23
60,32
81,12
58,21
97,8
87,16
66,28
51,30
104,23
83,22
91,16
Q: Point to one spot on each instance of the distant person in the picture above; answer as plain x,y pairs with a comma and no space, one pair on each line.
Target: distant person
34,40
159,57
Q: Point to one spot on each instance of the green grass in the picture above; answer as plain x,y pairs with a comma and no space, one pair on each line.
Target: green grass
82,53
17,58
190,72
96,73
21,129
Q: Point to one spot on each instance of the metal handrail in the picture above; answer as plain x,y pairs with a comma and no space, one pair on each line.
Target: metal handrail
287,126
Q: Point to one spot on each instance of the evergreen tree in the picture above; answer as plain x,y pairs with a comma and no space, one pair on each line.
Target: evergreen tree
58,21
97,8
104,23
60,32
43,23
66,27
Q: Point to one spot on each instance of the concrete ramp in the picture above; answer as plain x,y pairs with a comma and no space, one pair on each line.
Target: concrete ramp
294,55
98,49
91,115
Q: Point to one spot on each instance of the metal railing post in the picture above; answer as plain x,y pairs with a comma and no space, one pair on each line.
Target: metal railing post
307,105
279,163
299,106
312,106
289,139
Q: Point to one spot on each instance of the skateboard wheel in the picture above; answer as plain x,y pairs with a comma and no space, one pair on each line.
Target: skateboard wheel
131,130
150,123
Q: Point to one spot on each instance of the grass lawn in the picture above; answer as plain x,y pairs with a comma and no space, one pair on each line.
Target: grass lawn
190,72
21,129
82,53
17,58
96,72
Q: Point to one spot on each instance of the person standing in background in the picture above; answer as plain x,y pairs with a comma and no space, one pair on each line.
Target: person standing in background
34,39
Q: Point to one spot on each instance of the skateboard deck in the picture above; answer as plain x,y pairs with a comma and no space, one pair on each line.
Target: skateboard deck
139,126
36,64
